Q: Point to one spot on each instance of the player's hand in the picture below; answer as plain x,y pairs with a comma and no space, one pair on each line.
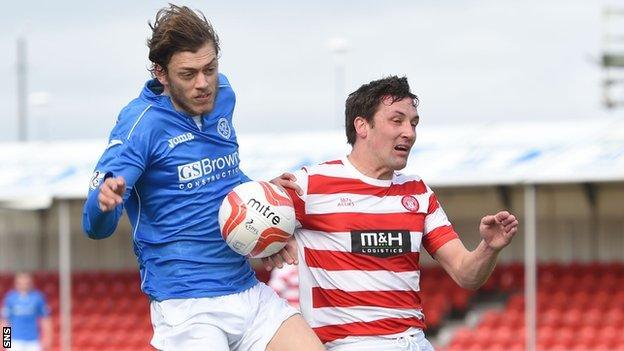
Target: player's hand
498,230
287,180
286,255
111,193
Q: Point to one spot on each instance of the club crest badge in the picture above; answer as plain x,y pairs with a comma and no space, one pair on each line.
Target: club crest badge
223,128
96,179
410,203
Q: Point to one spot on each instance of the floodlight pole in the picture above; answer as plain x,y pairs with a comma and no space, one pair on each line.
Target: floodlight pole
65,272
530,270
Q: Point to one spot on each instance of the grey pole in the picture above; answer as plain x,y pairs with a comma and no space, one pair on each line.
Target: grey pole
530,276
65,273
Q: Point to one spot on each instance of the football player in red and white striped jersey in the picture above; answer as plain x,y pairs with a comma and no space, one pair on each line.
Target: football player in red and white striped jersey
361,226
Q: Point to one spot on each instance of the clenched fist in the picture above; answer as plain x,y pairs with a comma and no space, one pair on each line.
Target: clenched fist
111,193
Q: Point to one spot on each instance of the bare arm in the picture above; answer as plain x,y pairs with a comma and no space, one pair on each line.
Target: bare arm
471,269
46,333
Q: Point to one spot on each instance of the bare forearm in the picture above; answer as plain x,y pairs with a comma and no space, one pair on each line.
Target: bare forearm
46,331
471,269
476,266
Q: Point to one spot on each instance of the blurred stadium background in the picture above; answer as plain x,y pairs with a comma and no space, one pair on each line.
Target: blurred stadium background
559,286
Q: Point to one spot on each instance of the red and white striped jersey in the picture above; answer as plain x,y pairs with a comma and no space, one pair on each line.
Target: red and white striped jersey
359,241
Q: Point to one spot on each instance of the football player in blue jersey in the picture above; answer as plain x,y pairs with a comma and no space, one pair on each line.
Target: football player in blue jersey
24,309
171,159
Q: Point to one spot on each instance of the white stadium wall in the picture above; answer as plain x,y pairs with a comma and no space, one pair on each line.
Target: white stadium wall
565,229
25,247
565,226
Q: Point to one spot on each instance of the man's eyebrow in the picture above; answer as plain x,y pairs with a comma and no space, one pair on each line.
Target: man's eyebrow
397,112
193,69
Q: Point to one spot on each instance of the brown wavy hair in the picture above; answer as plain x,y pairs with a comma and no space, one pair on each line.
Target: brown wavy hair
177,29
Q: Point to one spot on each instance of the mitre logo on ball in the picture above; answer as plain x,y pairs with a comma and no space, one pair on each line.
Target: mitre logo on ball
257,219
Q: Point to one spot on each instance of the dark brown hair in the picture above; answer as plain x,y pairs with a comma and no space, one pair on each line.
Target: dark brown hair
365,101
177,29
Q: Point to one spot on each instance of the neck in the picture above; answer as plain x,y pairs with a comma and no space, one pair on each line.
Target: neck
173,102
362,161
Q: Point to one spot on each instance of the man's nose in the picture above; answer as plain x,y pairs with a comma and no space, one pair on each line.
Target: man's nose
201,81
409,131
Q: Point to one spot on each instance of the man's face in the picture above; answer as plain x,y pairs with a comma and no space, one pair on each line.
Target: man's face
191,80
23,282
393,134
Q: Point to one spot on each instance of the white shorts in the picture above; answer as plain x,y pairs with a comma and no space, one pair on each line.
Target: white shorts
20,345
245,321
411,341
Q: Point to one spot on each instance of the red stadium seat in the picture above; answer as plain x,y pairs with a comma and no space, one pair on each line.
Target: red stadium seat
550,318
573,318
593,317
491,319
460,298
515,303
601,299
581,299
614,317
587,335
560,300
565,337
462,337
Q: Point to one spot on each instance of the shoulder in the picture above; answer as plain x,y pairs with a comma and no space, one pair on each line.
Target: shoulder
225,98
411,184
142,119
10,296
327,167
400,178
224,82
132,113
38,295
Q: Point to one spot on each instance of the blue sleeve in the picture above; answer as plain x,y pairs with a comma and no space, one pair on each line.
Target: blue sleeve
6,308
126,157
244,177
42,307
96,223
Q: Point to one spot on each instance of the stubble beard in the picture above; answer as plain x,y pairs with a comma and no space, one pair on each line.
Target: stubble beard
179,100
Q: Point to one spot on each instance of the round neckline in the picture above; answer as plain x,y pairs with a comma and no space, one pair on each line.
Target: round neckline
363,177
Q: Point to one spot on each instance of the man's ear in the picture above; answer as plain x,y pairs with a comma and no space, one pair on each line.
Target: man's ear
361,127
161,75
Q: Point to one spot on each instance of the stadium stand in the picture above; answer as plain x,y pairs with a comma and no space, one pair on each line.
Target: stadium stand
579,307
109,311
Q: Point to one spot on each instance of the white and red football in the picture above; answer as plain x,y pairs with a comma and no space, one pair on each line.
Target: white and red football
257,219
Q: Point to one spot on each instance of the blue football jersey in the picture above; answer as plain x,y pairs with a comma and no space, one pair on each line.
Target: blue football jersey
23,311
176,176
